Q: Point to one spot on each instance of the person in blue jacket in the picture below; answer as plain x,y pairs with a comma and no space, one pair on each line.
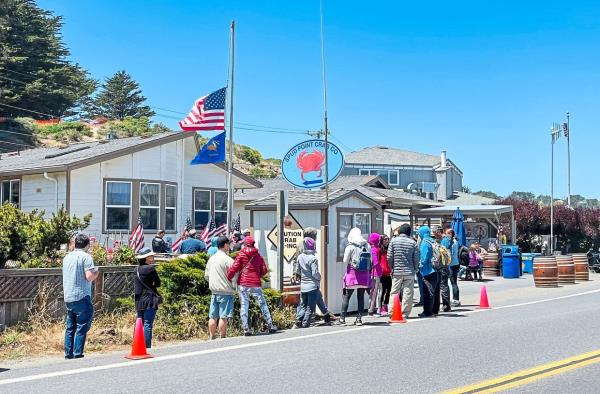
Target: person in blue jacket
431,278
213,246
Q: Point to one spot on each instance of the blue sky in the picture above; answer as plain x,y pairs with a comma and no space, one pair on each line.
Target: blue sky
484,80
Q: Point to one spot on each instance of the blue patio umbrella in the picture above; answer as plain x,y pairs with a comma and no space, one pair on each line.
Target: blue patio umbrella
458,225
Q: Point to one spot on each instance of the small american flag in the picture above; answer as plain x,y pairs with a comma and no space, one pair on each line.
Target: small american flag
208,113
237,225
566,130
211,230
184,234
136,240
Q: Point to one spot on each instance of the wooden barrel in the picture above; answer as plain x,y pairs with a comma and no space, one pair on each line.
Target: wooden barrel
491,264
582,272
566,269
291,295
545,271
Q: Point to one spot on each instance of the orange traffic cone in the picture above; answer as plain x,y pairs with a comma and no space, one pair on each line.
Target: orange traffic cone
397,316
138,348
483,299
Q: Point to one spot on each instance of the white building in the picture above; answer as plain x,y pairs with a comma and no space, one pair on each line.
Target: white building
118,180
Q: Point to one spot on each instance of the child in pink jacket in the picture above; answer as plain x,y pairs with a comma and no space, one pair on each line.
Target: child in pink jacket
376,273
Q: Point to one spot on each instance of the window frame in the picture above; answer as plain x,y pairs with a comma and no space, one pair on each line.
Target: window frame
215,210
11,182
107,206
158,208
194,210
173,208
353,212
374,171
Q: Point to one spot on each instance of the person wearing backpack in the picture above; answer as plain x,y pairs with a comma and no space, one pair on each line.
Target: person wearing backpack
357,258
376,272
431,277
455,263
447,243
252,267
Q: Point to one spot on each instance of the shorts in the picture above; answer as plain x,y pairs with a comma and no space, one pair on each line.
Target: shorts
221,306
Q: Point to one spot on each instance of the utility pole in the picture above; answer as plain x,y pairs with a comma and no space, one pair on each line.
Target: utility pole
568,135
316,134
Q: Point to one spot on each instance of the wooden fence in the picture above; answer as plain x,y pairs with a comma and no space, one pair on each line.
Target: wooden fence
20,287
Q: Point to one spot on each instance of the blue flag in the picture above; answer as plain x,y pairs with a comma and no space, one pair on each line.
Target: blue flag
212,152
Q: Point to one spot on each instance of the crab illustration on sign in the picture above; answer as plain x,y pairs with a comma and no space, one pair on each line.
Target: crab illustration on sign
304,165
309,162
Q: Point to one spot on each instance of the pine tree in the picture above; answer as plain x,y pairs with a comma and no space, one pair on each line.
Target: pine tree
34,70
119,97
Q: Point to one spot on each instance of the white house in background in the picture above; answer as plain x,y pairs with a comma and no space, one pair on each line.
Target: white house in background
116,180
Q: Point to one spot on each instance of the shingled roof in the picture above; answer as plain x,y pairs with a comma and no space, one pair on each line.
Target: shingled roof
386,155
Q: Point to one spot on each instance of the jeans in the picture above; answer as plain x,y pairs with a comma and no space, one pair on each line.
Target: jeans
421,288
309,301
79,322
404,286
320,304
360,298
454,280
431,304
257,293
386,288
147,316
373,294
445,287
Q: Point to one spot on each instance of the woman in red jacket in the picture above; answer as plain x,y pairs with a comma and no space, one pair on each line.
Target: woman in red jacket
386,278
251,266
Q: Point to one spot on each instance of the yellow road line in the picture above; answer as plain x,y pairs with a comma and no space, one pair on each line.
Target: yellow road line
529,375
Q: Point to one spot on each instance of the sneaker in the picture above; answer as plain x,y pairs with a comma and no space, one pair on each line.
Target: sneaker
341,322
296,326
455,303
370,313
358,322
331,316
418,304
424,315
447,309
247,333
273,329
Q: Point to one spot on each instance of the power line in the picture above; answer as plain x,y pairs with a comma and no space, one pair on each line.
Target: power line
28,110
14,143
16,132
14,80
19,73
270,127
270,131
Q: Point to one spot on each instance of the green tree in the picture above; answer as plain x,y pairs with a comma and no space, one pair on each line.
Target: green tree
543,199
132,127
526,196
576,199
36,73
593,203
488,194
250,155
119,97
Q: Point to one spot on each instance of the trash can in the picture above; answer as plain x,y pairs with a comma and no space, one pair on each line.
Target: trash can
528,262
511,261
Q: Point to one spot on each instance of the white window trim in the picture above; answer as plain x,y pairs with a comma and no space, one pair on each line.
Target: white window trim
173,208
106,206
367,171
218,210
157,207
10,191
210,204
369,220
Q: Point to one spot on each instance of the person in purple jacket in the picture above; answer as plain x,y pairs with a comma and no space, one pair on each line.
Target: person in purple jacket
354,279
376,273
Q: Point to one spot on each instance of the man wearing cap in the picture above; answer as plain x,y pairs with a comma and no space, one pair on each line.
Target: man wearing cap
252,267
192,245
222,289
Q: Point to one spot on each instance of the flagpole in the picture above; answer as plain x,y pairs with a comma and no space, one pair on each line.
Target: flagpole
325,107
552,131
230,162
568,160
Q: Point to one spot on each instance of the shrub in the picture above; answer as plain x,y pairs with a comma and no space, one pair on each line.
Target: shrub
132,127
250,155
123,256
65,131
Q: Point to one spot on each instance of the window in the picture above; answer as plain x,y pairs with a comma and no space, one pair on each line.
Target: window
346,222
10,191
220,208
390,176
201,208
118,206
150,205
170,207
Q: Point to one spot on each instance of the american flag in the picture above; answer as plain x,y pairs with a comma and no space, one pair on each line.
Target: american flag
208,113
136,240
566,130
184,234
211,230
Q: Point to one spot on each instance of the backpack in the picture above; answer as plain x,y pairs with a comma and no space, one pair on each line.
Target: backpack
361,259
440,258
463,256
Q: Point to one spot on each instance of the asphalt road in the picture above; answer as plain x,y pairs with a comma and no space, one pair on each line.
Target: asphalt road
527,327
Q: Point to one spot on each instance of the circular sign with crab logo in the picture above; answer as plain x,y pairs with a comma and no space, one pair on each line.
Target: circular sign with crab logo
304,165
